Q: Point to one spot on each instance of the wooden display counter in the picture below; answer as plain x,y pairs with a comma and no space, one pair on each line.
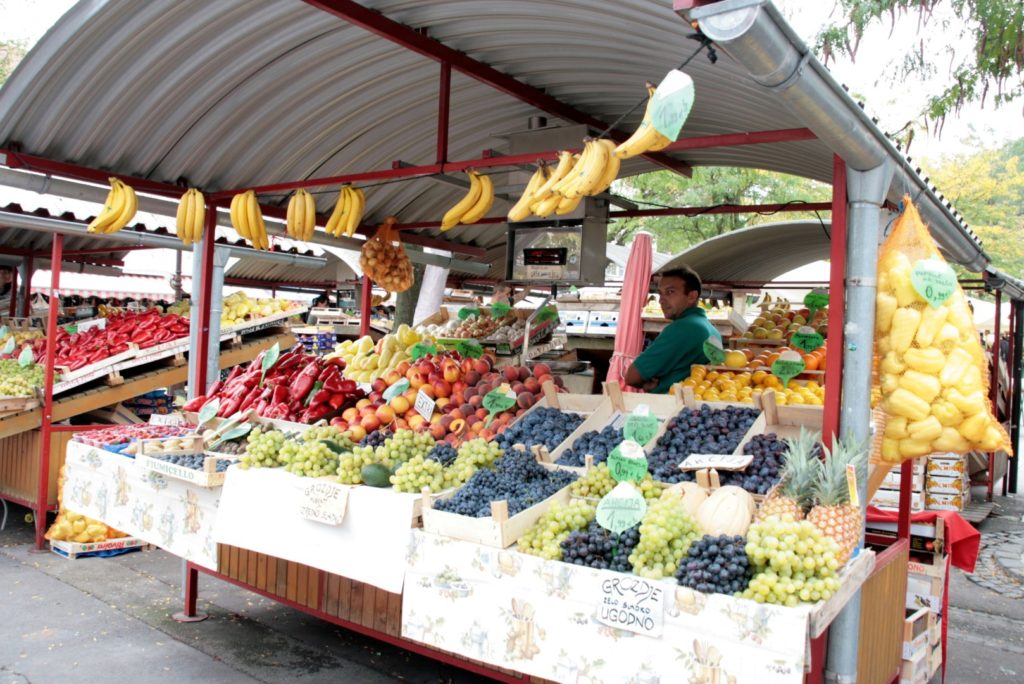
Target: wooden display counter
19,467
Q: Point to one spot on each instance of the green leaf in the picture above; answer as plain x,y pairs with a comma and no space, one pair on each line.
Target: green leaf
671,104
546,314
467,311
500,309
269,359
25,357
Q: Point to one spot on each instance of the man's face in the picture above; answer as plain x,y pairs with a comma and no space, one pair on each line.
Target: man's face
674,298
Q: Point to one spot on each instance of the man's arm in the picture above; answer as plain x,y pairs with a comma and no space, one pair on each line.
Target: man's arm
634,379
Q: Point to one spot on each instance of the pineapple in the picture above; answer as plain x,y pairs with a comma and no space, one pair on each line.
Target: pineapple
832,513
792,496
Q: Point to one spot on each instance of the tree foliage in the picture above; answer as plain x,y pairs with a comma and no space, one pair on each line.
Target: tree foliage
994,66
709,186
11,52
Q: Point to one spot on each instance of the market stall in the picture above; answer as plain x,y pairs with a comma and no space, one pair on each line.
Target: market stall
819,132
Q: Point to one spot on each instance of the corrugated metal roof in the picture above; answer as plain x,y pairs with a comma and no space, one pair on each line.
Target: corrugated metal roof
758,254
245,92
252,268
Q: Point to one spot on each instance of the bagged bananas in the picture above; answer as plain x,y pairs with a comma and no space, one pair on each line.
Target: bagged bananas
384,261
931,365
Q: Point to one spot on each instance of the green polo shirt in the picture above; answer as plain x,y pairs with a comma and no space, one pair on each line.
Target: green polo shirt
679,346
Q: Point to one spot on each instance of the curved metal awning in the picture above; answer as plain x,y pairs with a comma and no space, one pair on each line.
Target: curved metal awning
239,93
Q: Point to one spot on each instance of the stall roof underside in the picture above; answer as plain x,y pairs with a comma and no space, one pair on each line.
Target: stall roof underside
241,93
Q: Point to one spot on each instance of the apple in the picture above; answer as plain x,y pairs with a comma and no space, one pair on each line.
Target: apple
379,385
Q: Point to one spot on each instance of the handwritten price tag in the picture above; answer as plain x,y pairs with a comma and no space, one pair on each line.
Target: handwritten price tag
713,350
807,340
934,280
716,461
25,357
621,508
640,429
424,405
498,400
631,603
816,299
9,346
324,502
470,349
671,104
627,462
788,366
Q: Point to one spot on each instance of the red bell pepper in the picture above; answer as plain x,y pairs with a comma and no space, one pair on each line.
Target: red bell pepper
321,396
337,401
195,404
304,381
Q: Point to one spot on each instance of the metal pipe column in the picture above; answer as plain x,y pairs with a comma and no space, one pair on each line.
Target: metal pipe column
365,302
1015,380
994,389
216,276
46,427
865,191
13,308
837,303
26,304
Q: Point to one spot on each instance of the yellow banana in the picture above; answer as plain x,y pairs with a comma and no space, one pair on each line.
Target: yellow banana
181,223
645,136
111,210
356,209
309,224
239,217
454,215
339,211
128,209
294,222
200,216
566,160
590,173
521,209
254,220
567,205
547,206
611,168
483,205
190,218
573,175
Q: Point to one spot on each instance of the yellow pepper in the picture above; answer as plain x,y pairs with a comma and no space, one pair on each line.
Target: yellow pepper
973,428
891,450
904,327
960,317
891,363
947,413
909,448
970,404
923,385
948,337
882,345
925,430
956,365
929,360
971,381
885,307
951,440
896,427
932,321
902,286
992,440
905,403
889,383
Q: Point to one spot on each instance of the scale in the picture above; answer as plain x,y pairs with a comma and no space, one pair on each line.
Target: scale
571,255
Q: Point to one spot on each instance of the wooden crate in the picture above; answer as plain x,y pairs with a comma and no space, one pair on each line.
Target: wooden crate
12,405
497,530
881,617
784,421
207,477
19,465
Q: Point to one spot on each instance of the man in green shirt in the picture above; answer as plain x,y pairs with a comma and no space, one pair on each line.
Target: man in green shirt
681,344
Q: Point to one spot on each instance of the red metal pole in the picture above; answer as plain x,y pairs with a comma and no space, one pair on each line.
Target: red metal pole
14,293
906,488
1011,376
364,307
46,427
27,303
205,297
836,304
994,388
443,102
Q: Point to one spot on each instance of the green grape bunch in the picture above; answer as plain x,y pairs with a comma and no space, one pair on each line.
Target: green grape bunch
666,533
19,381
417,473
262,449
472,455
793,562
598,481
545,538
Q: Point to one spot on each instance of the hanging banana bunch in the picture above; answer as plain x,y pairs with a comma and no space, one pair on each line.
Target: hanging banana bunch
247,220
348,212
521,209
301,216
118,209
191,216
646,137
474,206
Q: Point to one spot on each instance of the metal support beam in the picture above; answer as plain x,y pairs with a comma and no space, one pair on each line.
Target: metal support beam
444,93
13,309
420,43
46,424
865,191
26,305
994,388
31,162
837,303
204,300
365,303
1015,405
725,209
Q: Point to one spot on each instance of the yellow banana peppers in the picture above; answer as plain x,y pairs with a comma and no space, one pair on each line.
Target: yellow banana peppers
905,403
885,307
932,321
955,368
925,386
930,360
904,326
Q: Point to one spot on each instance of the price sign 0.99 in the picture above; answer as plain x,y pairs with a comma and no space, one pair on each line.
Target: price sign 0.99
713,350
806,339
627,462
788,366
934,280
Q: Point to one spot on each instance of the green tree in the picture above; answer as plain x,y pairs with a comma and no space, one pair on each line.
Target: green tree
11,52
994,29
709,187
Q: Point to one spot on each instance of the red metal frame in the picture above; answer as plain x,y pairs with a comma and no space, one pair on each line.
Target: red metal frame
46,428
726,209
365,302
31,162
27,300
14,293
837,303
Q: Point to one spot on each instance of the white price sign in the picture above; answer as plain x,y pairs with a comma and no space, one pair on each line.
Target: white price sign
324,502
633,604
424,405
174,418
716,461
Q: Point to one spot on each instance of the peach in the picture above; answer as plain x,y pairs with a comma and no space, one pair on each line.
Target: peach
482,365
487,433
356,433
350,415
426,367
545,378
428,390
524,400
437,431
401,424
385,414
472,419
446,421
467,409
511,373
442,402
376,398
410,394
402,368
456,414
524,373
457,426
518,387
532,385
471,378
392,376
466,366
370,422
417,422
452,372
442,388
337,422
482,413
558,381
400,404
540,369
362,403
416,378
379,385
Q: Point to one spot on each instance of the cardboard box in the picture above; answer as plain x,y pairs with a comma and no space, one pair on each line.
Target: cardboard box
945,502
890,498
947,466
574,322
938,484
924,591
917,480
603,323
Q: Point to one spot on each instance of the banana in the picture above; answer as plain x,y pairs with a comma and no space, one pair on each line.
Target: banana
454,215
200,216
294,225
547,206
310,216
645,137
128,209
570,178
480,209
593,172
181,222
254,219
190,218
356,208
339,211
567,205
566,160
521,209
239,218
611,168
108,214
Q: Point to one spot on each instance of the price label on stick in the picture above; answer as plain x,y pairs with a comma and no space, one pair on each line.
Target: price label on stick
424,405
934,280
396,389
3,331
25,357
621,508
469,349
716,461
546,314
269,359
499,309
324,502
806,339
209,411
467,311
816,299
788,366
640,428
421,349
713,350
9,346
671,104
498,400
627,462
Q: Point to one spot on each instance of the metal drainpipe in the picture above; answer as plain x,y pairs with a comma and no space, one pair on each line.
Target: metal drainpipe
220,261
193,326
865,192
1015,380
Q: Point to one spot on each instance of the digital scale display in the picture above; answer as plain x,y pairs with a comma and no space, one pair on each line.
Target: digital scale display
545,256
